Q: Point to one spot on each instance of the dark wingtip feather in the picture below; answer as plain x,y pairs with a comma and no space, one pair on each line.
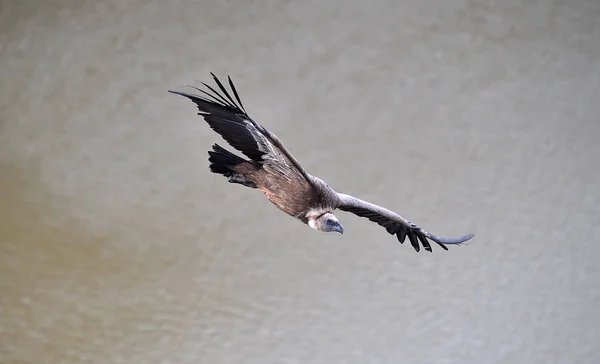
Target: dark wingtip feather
413,240
425,243
224,90
235,93
222,98
184,94
443,246
401,234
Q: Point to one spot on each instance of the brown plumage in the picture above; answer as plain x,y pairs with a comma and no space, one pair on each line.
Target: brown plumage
274,171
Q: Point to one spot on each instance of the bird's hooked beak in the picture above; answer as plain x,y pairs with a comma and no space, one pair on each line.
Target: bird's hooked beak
339,228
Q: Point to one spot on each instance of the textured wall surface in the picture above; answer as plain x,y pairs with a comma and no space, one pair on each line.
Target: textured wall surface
117,245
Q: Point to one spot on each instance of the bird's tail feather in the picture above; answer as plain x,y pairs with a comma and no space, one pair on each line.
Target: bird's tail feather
222,161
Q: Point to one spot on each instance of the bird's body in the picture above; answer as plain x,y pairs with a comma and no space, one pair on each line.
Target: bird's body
286,188
274,171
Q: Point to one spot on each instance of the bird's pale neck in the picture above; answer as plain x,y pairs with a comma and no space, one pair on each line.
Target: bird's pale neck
323,219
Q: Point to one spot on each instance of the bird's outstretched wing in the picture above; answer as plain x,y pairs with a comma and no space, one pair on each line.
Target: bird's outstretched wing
395,224
229,119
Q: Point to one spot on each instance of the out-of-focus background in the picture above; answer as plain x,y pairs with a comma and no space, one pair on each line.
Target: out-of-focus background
117,245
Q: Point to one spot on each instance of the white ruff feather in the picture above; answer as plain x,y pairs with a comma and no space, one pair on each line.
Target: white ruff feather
313,214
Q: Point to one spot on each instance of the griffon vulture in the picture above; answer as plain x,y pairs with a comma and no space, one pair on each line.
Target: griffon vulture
274,171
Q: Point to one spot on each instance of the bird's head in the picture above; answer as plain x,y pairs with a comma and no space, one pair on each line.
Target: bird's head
326,222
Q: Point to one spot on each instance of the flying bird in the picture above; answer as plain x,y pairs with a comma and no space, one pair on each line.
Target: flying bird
270,168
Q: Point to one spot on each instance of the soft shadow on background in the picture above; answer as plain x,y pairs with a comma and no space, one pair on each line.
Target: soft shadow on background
117,245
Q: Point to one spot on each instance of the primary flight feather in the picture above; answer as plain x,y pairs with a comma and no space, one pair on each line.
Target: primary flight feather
274,171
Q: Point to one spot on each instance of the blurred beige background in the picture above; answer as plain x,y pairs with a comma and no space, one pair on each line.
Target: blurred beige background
117,245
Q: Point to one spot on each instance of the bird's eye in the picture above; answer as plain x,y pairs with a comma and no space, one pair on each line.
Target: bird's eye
329,221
